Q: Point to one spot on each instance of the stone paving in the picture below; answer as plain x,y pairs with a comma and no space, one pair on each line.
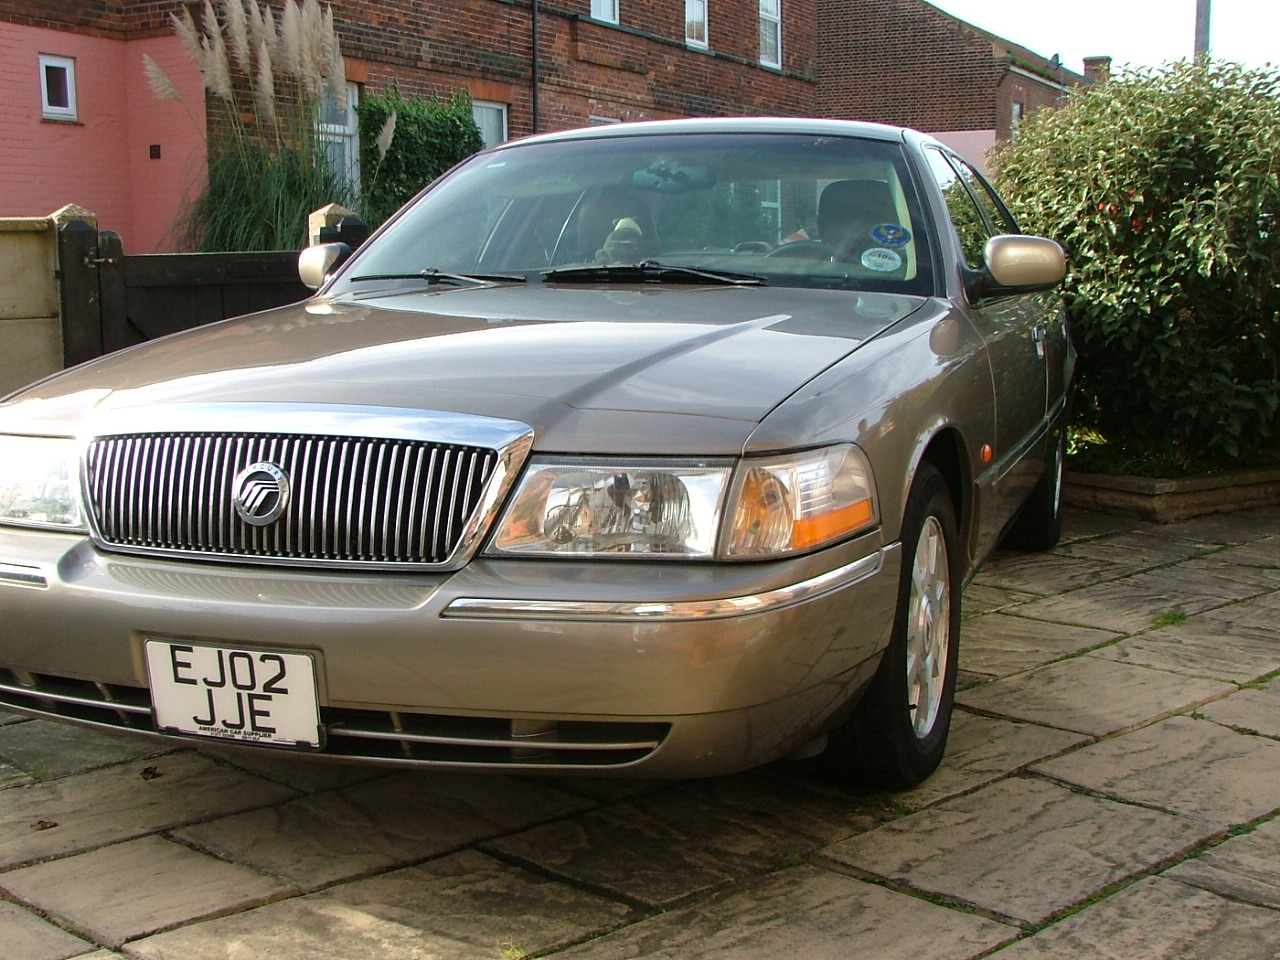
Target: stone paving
1110,791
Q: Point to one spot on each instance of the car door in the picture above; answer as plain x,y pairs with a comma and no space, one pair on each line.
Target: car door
1015,329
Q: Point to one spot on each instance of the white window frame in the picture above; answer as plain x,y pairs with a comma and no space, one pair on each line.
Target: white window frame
346,135
606,10
595,120
771,24
480,106
695,21
52,111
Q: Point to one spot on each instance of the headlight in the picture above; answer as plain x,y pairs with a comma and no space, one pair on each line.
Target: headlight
40,482
641,508
672,508
799,501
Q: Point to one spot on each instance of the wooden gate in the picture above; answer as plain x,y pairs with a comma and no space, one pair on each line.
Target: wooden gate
112,300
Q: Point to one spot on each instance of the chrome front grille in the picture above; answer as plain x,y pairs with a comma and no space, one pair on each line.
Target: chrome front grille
353,500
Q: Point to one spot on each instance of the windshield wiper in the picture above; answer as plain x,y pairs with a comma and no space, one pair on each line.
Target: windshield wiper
435,277
650,271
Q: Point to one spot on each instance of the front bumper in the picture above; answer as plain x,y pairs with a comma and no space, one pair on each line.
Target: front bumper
652,669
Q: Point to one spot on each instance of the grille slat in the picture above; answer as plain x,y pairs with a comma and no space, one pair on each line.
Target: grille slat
353,500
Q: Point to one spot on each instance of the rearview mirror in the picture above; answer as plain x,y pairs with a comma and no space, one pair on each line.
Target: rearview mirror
316,263
1024,264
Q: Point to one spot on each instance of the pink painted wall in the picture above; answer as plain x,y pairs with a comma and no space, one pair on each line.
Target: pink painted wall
101,161
973,145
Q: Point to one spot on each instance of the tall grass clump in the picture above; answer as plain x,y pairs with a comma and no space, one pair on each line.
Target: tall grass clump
267,77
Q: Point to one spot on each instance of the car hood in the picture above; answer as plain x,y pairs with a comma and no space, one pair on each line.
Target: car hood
634,369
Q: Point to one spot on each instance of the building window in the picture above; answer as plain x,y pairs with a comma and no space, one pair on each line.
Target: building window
594,120
491,118
606,10
58,88
1015,117
771,33
339,133
695,23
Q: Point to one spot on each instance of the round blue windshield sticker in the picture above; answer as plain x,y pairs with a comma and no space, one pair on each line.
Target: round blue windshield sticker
890,235
881,259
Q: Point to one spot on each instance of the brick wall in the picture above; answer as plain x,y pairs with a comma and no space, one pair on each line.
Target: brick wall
638,69
906,62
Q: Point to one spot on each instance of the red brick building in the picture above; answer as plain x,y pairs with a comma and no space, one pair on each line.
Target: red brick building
906,62
79,124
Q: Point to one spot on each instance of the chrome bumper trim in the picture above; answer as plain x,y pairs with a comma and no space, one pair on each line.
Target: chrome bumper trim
42,694
492,608
22,576
340,729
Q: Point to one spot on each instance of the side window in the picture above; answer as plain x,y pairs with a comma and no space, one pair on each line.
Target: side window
338,131
58,88
771,33
970,225
606,10
999,218
491,118
695,23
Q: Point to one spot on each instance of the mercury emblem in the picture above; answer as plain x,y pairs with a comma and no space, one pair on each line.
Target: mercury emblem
260,493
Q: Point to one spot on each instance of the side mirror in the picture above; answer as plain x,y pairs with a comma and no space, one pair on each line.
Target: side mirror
1019,264
316,263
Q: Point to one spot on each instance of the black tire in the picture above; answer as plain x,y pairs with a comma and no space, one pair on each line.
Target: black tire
881,743
1038,525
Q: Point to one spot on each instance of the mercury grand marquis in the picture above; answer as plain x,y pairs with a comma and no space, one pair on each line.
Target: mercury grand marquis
662,449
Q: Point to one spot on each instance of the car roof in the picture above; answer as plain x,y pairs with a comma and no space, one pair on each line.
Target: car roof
793,125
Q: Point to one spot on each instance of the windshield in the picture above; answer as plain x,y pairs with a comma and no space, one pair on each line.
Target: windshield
790,209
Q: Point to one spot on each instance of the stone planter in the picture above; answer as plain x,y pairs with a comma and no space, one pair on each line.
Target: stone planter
1168,501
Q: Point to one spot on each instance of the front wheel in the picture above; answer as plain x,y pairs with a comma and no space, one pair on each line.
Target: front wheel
898,732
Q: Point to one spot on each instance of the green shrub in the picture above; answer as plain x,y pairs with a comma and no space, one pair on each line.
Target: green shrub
427,137
1162,186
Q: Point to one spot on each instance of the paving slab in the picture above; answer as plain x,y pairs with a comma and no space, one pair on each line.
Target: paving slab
1261,613
1136,550
1182,765
6,718
60,817
462,907
10,776
26,936
1157,919
662,847
1022,848
979,598
803,912
1243,868
1135,603
128,890
1080,524
1241,526
1000,644
1252,710
981,750
1242,564
1046,574
1202,648
300,773
340,834
47,750
1093,695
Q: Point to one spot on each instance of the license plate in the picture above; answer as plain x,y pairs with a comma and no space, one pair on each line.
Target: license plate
232,694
